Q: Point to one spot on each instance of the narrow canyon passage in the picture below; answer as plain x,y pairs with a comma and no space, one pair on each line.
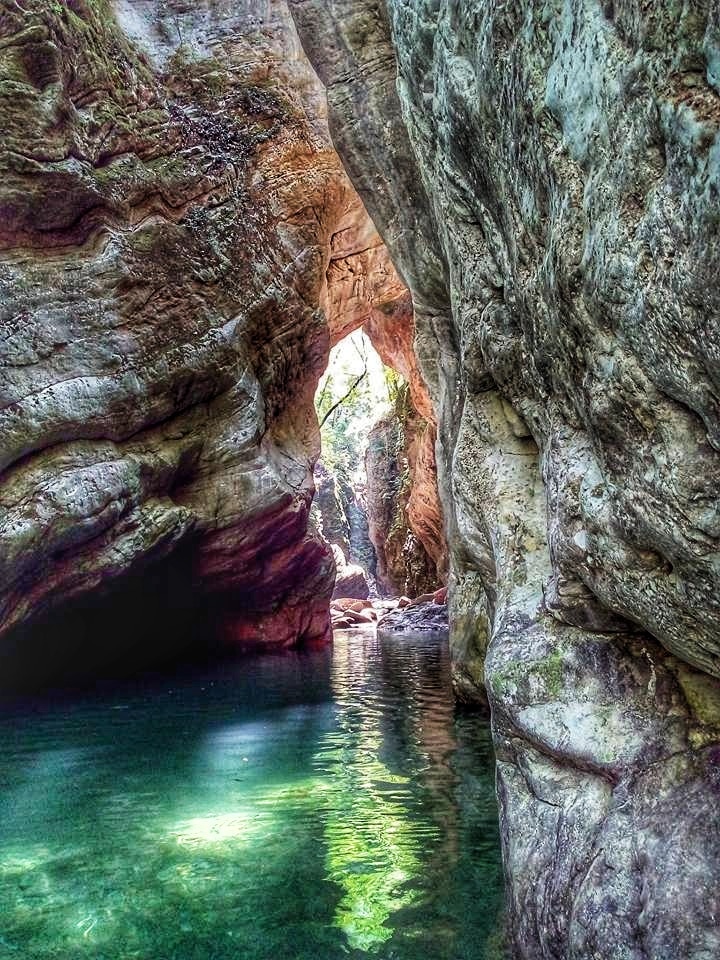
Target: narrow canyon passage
324,804
311,803
376,499
517,205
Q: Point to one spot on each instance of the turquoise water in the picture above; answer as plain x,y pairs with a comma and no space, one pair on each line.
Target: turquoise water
310,807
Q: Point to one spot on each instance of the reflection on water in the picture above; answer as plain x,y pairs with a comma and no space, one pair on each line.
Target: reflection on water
308,807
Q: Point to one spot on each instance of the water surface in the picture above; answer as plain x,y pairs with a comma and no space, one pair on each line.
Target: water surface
318,806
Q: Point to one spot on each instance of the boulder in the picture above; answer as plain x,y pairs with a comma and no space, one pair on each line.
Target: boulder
425,617
350,579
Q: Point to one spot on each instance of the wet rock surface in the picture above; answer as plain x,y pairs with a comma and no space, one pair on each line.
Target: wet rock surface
349,611
427,613
546,177
425,616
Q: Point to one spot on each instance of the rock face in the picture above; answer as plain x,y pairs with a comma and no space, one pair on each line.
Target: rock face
547,179
406,516
180,246
330,504
405,521
172,220
343,517
420,616
350,579
365,290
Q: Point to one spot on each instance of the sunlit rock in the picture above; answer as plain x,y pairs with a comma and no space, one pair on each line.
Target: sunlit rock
176,228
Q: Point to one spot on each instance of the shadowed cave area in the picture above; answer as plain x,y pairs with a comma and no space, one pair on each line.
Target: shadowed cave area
163,614
148,621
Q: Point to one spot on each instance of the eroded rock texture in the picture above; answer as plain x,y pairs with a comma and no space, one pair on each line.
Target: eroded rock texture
403,501
404,515
172,218
342,516
546,176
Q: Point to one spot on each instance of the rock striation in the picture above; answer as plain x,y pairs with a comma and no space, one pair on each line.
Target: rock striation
180,246
169,197
404,514
176,238
546,177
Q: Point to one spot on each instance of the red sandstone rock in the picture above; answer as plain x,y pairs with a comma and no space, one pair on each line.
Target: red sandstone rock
344,603
286,627
404,517
423,598
440,596
350,580
365,289
364,616
211,193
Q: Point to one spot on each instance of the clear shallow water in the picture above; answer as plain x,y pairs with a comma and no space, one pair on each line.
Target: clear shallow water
318,806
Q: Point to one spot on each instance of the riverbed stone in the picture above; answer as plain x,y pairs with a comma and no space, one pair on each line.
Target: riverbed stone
421,616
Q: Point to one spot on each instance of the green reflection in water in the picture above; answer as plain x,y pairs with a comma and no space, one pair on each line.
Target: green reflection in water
284,809
373,853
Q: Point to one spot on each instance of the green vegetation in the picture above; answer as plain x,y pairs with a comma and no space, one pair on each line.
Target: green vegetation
549,671
355,391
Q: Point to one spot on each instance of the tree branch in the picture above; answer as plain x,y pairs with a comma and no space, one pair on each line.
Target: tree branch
342,399
323,392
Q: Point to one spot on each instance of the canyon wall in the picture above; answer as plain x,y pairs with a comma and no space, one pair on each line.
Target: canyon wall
547,178
179,246
176,236
404,514
365,290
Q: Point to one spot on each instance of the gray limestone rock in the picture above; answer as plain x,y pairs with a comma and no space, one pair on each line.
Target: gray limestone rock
547,177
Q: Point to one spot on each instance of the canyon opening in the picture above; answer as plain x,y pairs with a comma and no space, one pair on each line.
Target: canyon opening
359,480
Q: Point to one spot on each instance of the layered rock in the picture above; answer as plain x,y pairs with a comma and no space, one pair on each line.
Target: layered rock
365,290
546,177
404,516
168,207
173,215
403,500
